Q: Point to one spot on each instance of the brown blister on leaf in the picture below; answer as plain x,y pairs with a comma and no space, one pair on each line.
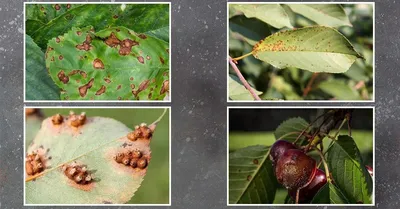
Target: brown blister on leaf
62,77
86,44
101,90
112,40
107,80
126,46
36,162
79,176
77,120
98,64
83,89
141,132
165,87
57,119
57,7
140,59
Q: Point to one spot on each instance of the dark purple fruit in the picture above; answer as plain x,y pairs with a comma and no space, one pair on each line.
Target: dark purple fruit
307,193
294,169
278,148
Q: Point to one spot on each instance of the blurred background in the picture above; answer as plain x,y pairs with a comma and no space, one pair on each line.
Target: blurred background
289,83
256,127
155,186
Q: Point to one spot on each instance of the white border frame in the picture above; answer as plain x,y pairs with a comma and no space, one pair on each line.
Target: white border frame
100,101
302,101
99,107
301,107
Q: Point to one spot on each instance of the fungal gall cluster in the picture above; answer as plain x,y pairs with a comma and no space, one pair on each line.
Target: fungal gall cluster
77,173
34,164
73,119
142,132
134,159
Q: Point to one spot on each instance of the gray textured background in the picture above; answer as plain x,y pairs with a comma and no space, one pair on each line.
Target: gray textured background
199,104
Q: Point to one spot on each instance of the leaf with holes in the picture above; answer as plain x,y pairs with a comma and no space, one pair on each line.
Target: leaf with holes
272,14
76,159
237,91
329,194
251,176
290,129
332,15
141,18
317,49
348,170
112,64
39,85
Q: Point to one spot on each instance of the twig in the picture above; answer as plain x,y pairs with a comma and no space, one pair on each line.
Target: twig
243,80
310,82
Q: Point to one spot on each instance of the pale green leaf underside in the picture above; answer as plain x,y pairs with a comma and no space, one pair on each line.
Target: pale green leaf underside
292,125
329,194
237,91
251,176
339,90
332,15
317,49
33,123
272,14
95,143
348,170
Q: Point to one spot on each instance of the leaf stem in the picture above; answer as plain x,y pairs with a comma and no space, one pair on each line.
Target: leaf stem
243,56
309,85
243,80
327,173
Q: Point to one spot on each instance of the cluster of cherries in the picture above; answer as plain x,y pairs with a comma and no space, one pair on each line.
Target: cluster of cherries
296,171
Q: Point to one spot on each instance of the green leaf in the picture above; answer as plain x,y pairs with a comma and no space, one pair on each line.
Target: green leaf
141,18
251,176
279,83
291,128
237,91
329,194
272,14
339,90
317,49
251,30
348,170
33,123
332,15
44,13
239,140
112,64
39,85
94,145
161,33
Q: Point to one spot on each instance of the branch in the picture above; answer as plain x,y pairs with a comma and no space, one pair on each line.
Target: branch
309,85
243,80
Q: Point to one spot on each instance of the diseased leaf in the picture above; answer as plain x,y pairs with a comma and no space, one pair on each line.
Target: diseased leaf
332,15
251,176
46,12
141,18
339,90
112,64
317,49
329,194
38,84
348,170
251,30
272,14
290,129
237,91
94,145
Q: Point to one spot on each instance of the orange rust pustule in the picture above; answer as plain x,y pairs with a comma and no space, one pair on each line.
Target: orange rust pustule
34,164
86,44
77,173
142,132
165,87
57,119
62,77
101,90
98,64
83,89
112,40
77,120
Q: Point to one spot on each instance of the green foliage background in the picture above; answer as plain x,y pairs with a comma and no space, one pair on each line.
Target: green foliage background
155,186
289,83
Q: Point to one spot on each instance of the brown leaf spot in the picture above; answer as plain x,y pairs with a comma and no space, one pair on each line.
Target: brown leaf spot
86,44
68,6
101,90
78,33
143,85
142,36
115,16
83,74
140,59
248,178
165,87
83,89
161,60
112,40
126,46
98,64
131,78
119,98
132,86
255,161
57,7
148,57
60,57
107,80
58,40
119,87
150,96
62,77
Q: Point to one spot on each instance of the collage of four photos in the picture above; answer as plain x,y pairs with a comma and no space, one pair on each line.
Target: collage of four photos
286,154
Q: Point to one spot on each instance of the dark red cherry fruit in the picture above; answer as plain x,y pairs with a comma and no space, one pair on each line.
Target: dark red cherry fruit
278,148
307,193
294,169
370,170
